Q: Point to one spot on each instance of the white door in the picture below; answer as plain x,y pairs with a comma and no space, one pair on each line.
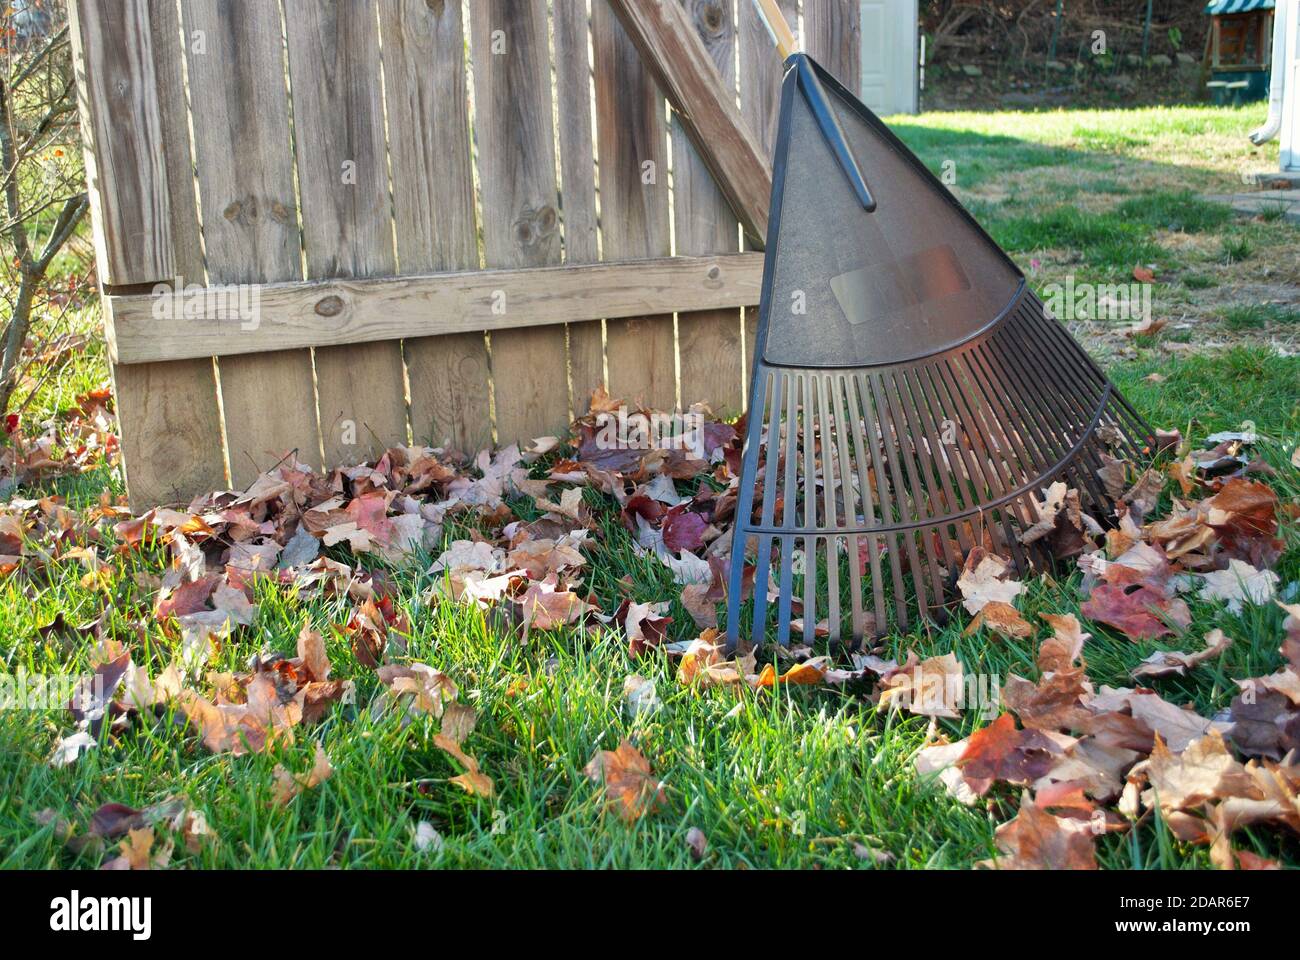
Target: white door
889,55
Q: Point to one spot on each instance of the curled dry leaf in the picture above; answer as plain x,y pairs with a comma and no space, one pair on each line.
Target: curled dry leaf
1037,840
630,787
1001,618
1240,583
546,606
416,688
985,578
427,839
1000,751
1203,770
1066,644
138,852
704,662
262,720
809,673
1165,663
640,699
934,687
472,780
458,721
289,785
940,760
697,842
1060,525
1056,702
645,628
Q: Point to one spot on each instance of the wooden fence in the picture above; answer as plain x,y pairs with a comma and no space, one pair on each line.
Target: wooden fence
332,227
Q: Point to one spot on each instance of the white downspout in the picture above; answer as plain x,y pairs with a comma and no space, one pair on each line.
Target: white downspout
1282,13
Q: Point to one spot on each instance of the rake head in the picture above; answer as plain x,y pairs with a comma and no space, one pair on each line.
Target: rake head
911,400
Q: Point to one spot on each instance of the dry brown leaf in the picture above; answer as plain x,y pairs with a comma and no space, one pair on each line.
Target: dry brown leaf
808,673
289,785
1140,612
1065,645
933,687
1164,663
1204,771
138,852
263,719
311,650
986,577
1000,751
1001,618
472,780
458,721
1037,840
630,787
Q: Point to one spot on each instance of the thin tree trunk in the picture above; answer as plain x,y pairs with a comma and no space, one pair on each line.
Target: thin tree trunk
15,337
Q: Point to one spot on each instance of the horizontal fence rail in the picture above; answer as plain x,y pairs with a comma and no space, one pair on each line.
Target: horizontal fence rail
176,322
328,227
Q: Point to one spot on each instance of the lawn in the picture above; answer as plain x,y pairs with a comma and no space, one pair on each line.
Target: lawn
781,776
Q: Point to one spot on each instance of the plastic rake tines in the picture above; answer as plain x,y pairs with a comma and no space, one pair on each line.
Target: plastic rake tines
911,399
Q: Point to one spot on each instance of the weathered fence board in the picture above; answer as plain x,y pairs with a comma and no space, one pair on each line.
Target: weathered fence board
701,86
632,149
833,38
336,152
521,226
571,32
171,406
338,124
114,47
244,166
708,342
760,102
433,205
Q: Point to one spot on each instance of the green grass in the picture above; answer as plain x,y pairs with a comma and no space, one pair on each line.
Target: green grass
787,778
1182,211
1236,248
1107,243
1254,316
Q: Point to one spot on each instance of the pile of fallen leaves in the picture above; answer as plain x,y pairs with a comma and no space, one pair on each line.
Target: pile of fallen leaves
1089,761
1093,761
79,438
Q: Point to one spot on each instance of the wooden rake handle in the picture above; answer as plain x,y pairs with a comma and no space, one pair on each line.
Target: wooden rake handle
776,23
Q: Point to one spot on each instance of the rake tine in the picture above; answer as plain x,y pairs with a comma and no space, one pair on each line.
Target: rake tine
919,485
909,540
1086,364
1000,461
1123,413
1067,405
935,459
850,501
779,389
887,511
868,507
809,489
1086,369
790,503
829,474
1027,405
745,507
1027,373
980,453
